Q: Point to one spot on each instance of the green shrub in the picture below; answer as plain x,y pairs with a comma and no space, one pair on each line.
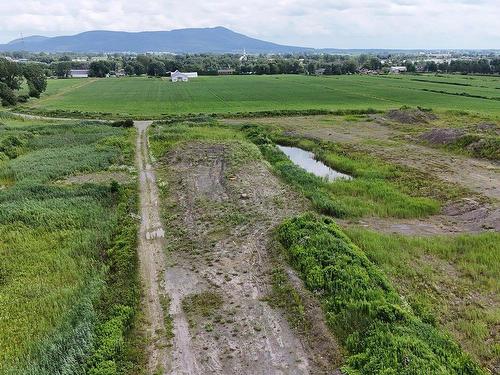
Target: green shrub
128,123
7,96
478,145
380,332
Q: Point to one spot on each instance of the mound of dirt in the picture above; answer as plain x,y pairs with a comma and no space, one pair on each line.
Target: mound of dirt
461,207
441,136
410,116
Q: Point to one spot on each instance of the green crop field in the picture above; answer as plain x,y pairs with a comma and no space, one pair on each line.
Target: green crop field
154,97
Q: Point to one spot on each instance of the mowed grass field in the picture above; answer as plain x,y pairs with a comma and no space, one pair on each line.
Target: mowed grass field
154,97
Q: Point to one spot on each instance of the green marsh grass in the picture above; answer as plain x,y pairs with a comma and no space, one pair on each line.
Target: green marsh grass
372,192
63,250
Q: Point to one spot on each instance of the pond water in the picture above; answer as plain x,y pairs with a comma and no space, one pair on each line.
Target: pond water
305,160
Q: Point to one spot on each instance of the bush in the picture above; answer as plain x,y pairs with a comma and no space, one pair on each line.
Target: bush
123,123
23,98
12,145
7,95
34,93
380,332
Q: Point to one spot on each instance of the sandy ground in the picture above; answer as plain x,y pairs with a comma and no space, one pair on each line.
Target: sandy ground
226,218
479,176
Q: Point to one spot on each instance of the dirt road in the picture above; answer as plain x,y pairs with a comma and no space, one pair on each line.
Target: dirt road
150,251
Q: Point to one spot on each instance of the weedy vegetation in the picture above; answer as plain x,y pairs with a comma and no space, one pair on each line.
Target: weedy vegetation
68,280
378,188
378,328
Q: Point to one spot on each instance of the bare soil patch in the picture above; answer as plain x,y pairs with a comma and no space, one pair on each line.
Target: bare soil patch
488,127
410,116
100,178
464,216
440,136
220,266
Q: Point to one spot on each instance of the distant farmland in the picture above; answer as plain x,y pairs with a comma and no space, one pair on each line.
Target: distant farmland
155,97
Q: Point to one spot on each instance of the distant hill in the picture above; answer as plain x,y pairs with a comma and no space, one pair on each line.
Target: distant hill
33,38
196,40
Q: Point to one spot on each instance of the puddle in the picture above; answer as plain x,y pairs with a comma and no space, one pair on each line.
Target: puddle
305,160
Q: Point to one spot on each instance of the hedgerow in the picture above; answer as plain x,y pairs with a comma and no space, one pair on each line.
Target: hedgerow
378,329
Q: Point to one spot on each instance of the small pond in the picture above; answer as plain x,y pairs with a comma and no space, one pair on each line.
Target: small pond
305,160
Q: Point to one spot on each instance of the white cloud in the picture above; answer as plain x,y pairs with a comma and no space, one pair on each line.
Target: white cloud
315,23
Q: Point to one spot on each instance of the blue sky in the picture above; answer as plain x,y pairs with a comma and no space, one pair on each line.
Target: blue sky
312,23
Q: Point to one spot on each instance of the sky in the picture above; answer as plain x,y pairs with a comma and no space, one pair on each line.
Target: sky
406,24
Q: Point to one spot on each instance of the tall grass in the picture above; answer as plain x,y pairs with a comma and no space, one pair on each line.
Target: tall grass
450,280
379,330
59,245
370,193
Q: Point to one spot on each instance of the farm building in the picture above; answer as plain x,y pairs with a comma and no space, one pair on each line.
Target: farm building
319,71
78,73
225,72
184,77
398,69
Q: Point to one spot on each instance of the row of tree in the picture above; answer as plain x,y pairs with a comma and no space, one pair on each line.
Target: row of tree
481,66
209,64
13,75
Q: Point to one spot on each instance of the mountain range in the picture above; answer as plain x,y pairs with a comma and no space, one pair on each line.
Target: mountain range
194,40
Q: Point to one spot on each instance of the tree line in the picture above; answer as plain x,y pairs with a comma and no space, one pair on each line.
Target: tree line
13,75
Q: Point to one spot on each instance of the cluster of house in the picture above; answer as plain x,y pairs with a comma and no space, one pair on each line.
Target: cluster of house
392,70
84,73
174,76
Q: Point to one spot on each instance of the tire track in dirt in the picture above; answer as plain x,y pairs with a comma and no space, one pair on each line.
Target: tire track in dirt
224,250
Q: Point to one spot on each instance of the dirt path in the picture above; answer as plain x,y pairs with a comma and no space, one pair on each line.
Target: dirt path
220,266
150,251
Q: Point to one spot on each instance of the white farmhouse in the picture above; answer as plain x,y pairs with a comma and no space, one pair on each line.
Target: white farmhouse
398,69
79,73
183,77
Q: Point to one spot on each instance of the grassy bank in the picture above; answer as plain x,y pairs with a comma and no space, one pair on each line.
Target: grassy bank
435,292
64,249
378,328
378,188
452,281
